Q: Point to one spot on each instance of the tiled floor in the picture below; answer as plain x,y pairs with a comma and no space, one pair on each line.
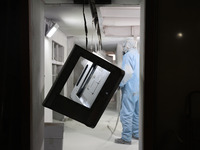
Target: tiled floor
79,137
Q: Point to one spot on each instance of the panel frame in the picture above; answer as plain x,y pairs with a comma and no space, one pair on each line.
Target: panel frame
88,116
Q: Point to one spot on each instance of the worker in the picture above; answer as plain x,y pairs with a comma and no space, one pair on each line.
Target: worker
129,113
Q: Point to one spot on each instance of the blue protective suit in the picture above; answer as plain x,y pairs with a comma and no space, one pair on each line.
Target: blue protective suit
129,113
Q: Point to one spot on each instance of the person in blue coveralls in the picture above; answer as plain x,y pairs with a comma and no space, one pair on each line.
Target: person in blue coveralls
129,113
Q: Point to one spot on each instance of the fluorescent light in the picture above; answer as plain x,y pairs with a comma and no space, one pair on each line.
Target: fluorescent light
52,30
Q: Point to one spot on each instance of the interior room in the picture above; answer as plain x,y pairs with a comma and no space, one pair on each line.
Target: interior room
169,77
118,21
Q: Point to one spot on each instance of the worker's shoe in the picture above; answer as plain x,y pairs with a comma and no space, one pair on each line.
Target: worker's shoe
134,137
121,141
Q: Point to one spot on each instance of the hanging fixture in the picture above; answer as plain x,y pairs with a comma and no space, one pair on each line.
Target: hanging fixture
95,21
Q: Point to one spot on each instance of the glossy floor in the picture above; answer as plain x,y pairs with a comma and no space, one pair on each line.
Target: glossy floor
78,137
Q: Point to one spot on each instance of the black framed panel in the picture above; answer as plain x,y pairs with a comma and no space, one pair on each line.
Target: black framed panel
93,89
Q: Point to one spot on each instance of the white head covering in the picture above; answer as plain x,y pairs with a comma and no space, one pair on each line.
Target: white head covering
127,45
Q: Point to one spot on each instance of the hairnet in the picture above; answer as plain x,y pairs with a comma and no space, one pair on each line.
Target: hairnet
127,45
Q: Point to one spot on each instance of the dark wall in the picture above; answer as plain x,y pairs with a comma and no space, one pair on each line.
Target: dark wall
175,67
15,79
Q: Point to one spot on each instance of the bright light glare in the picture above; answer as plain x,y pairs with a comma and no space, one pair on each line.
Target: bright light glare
180,35
52,30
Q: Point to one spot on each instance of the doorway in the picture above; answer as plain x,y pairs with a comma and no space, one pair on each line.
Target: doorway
109,119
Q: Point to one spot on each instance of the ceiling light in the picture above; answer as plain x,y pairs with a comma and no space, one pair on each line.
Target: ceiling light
52,30
179,35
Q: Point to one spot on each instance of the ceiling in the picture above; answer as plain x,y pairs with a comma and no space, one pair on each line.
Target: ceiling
118,20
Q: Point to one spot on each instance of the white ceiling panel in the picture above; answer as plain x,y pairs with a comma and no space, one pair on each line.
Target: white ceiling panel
120,12
118,31
120,21
109,21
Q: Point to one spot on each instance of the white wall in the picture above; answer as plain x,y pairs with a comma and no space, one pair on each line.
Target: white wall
48,114
61,39
36,33
70,45
142,58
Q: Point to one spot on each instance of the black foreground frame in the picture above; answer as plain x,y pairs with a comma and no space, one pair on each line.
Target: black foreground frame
66,106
